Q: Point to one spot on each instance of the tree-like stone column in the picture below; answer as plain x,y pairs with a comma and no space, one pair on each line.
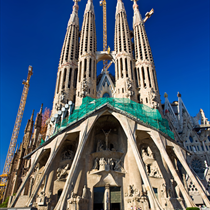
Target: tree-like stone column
157,140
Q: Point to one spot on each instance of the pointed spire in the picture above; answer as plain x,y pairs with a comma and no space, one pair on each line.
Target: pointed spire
74,19
137,16
40,112
32,116
89,7
120,7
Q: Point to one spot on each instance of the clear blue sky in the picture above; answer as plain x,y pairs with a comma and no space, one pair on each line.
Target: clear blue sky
32,33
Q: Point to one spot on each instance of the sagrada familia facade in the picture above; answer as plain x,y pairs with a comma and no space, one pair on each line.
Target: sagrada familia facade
110,143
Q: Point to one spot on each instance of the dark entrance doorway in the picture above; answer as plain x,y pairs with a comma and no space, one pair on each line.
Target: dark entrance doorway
115,198
99,198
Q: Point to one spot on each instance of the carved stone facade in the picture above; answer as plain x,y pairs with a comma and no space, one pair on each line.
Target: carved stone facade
108,158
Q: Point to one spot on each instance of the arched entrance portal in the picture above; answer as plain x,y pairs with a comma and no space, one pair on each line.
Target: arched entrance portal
107,198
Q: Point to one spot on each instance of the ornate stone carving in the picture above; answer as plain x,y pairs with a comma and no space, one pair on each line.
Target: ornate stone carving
84,192
130,91
62,173
84,88
67,155
41,199
107,164
153,96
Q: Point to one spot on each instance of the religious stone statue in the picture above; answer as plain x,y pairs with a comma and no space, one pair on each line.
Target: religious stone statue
100,146
111,163
102,164
62,172
95,166
84,192
106,138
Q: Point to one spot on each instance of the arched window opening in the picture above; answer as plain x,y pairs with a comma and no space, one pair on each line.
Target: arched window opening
143,75
64,78
85,68
90,66
135,73
75,78
117,70
80,69
131,69
69,83
146,100
154,79
191,139
121,67
149,76
106,95
126,67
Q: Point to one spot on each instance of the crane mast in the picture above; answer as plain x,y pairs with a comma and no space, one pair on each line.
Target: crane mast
103,3
16,129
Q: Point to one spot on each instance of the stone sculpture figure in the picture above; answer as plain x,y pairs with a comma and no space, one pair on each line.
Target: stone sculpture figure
84,192
62,172
102,164
95,166
111,163
107,138
100,146
84,88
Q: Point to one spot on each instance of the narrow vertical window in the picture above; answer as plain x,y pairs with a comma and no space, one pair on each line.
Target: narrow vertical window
90,66
80,69
154,79
94,69
69,83
131,69
121,66
143,75
85,67
117,70
126,67
59,78
75,78
64,78
135,73
149,76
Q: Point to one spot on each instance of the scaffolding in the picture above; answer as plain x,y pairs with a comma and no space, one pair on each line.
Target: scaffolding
140,112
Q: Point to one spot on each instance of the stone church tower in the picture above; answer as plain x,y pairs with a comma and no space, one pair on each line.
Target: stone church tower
68,66
86,82
109,143
124,64
145,73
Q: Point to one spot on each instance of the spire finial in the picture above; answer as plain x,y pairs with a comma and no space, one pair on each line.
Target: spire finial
32,115
76,6
41,108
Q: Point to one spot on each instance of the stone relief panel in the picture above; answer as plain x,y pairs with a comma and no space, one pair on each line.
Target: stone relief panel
133,199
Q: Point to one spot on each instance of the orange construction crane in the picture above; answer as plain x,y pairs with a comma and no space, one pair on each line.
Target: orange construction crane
15,133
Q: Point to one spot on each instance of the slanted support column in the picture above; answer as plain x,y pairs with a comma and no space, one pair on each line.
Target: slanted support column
34,160
53,153
84,134
181,158
155,205
158,142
